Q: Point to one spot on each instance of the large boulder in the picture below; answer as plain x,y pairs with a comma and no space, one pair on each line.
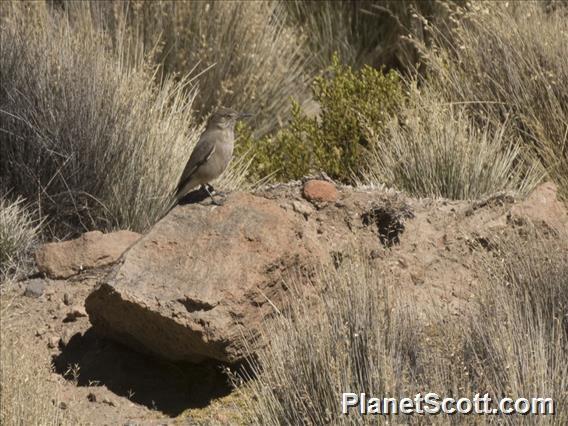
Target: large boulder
91,250
184,290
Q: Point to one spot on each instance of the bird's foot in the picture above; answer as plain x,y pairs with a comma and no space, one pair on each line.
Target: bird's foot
215,202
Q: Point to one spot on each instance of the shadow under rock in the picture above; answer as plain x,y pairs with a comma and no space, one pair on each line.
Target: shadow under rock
159,385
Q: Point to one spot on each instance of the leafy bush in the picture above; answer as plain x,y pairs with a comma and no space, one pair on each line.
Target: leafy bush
334,142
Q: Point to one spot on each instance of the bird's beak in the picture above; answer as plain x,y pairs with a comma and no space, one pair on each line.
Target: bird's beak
244,115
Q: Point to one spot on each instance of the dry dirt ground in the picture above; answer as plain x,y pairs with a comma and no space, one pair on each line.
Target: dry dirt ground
102,382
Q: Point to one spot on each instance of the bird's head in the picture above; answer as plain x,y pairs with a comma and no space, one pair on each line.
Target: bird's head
225,118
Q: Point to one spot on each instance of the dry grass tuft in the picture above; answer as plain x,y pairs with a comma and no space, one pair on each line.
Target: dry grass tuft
434,149
362,32
85,130
19,231
356,335
360,336
508,62
519,339
246,55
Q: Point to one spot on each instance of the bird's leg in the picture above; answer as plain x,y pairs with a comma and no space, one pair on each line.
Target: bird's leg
213,190
213,200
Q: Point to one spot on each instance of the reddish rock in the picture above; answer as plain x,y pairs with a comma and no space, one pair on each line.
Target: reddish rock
91,250
320,191
542,207
203,276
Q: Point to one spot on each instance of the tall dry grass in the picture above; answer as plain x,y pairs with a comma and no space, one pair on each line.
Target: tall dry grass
86,132
519,338
362,32
358,335
508,61
246,55
436,149
354,336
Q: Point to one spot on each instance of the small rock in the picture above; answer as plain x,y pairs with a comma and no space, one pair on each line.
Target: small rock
62,405
320,191
109,401
67,299
302,208
375,254
92,397
66,337
76,311
52,342
40,331
35,288
92,250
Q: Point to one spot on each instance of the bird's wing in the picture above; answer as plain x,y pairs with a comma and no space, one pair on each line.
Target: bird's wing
201,153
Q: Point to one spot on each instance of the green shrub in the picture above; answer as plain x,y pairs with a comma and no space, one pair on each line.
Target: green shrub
334,142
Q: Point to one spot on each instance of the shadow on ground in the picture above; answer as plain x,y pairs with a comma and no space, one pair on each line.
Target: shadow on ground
159,385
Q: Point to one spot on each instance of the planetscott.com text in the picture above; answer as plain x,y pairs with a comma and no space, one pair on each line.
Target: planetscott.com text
432,403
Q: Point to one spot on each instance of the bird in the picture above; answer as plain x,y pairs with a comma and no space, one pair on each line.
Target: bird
212,154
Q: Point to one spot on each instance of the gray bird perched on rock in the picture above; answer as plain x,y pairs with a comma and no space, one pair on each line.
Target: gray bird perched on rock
212,154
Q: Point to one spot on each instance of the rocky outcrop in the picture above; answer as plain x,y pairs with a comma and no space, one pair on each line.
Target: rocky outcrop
204,276
91,250
202,282
541,207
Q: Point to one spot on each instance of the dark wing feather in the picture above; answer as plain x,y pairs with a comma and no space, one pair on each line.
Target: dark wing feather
201,153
